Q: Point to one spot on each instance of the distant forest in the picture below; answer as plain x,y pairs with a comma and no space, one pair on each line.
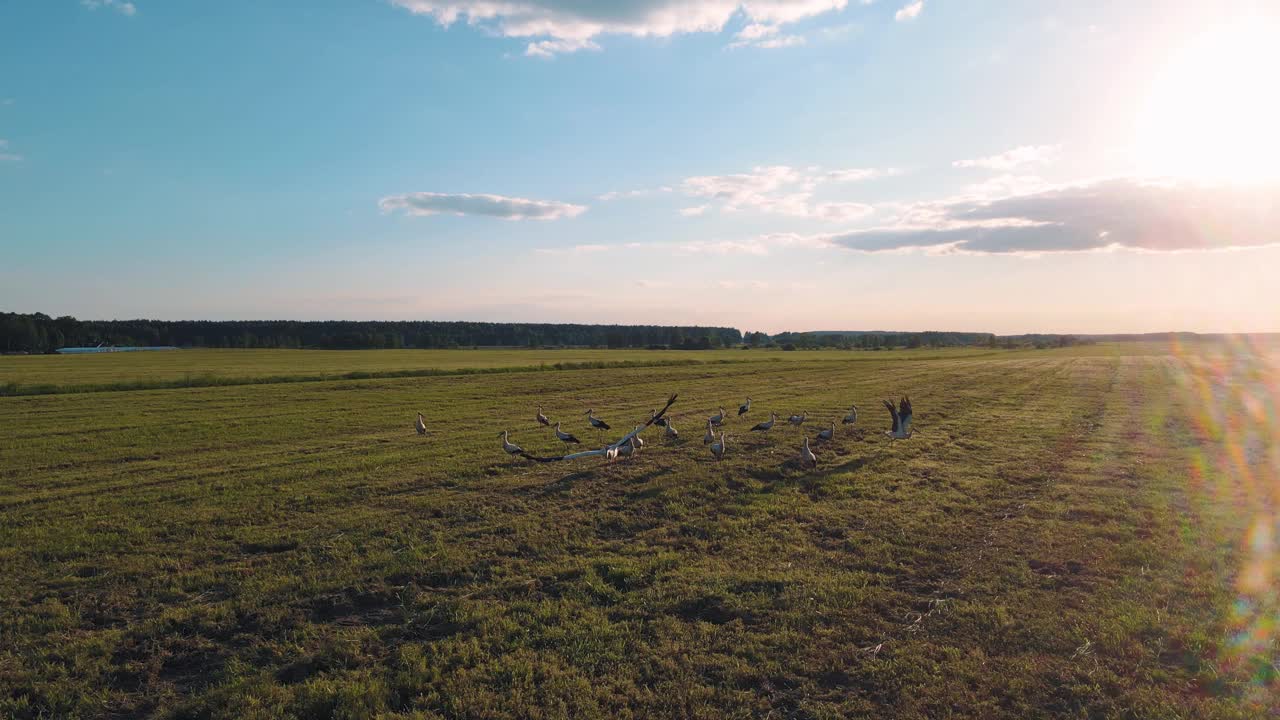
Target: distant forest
40,333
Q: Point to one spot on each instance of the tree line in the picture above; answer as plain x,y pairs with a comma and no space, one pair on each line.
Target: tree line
872,340
40,333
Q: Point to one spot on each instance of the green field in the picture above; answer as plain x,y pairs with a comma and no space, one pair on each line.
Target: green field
43,374
1088,533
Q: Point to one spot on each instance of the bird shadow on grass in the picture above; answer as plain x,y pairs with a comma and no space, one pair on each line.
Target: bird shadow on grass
650,476
560,486
791,471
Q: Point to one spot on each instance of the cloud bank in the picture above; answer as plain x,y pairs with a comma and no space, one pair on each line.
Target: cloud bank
556,26
1130,213
507,208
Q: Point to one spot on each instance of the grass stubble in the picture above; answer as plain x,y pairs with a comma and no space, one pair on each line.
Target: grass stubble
1063,537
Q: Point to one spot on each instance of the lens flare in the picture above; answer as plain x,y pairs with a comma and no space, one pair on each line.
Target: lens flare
1235,390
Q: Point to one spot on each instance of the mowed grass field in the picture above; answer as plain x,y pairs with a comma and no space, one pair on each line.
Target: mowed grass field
1080,533
44,374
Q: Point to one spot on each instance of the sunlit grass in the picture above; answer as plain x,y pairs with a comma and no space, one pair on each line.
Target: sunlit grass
1070,533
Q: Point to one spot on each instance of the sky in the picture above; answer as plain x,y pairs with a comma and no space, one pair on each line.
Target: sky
776,165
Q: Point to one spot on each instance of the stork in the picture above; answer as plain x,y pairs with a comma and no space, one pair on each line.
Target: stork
828,433
596,422
610,454
901,429
509,446
798,420
710,436
763,426
420,425
639,442
671,431
564,436
744,407
717,448
852,417
807,458
542,419
659,421
627,449
718,420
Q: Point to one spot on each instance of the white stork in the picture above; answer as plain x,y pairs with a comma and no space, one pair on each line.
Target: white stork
718,420
420,425
596,422
710,436
852,417
798,420
509,446
610,454
659,421
542,419
828,433
671,431
807,458
717,448
628,449
767,425
901,429
639,442
564,436
744,407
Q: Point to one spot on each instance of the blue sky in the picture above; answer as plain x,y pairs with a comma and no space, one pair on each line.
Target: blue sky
787,164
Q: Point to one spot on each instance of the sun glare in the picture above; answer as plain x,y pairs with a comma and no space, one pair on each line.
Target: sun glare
1212,113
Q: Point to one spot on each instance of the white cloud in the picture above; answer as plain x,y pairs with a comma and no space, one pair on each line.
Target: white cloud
1129,213
694,211
6,156
756,31
764,36
742,189
781,41
575,24
124,8
859,174
842,211
642,192
574,250
1005,185
1010,159
550,48
509,208
781,190
909,12
760,246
